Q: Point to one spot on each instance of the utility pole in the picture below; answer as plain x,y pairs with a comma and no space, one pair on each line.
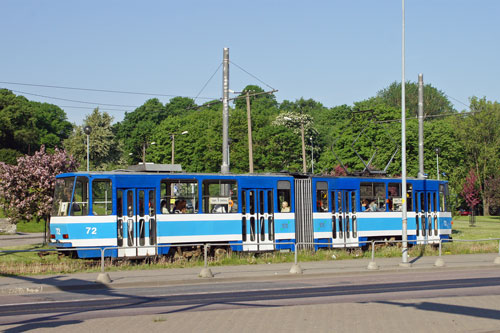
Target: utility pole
225,112
173,147
250,144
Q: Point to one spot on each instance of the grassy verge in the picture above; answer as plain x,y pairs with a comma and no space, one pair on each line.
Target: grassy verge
31,226
35,263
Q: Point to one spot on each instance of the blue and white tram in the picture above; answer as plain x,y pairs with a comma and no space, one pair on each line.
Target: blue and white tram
349,211
133,211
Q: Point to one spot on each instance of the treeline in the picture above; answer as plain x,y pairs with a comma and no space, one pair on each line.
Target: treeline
469,149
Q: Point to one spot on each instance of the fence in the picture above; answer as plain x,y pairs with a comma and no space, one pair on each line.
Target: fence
104,277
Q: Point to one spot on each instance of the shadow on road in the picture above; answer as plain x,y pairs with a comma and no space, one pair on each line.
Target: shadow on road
451,309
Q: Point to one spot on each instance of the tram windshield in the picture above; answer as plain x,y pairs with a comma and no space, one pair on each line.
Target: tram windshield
62,196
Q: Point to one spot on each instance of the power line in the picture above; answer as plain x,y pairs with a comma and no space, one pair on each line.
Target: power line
252,76
457,100
99,90
220,65
430,116
91,108
74,101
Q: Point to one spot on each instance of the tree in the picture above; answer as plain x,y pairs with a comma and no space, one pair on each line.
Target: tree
469,191
479,134
26,125
435,101
137,127
200,150
105,152
26,189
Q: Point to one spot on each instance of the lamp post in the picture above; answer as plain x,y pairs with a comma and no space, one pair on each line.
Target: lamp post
437,150
144,146
87,130
172,136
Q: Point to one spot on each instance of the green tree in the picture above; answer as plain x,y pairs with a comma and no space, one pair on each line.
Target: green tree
197,151
435,101
137,127
105,152
479,134
25,126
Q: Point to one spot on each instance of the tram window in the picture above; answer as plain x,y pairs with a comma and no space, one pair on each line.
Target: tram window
152,203
62,196
179,196
284,196
130,203
102,197
372,195
409,197
141,203
322,197
119,203
220,196
80,203
394,200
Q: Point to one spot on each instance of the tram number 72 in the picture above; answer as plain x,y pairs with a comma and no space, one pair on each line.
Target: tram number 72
91,230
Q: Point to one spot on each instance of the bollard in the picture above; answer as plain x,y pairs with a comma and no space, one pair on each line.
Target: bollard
296,269
103,277
205,272
439,261
373,265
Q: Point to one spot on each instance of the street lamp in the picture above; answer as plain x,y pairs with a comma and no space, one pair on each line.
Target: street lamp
437,150
144,146
304,168
87,130
172,136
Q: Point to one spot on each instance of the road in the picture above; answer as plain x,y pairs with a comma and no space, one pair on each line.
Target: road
448,300
21,238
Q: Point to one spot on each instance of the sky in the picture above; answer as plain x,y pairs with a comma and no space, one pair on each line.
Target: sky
334,51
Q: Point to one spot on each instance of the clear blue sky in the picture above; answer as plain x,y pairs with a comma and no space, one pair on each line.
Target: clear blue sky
336,52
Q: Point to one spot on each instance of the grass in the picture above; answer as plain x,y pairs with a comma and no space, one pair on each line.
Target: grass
31,226
32,263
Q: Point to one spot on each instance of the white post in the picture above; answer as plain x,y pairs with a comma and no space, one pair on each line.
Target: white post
403,145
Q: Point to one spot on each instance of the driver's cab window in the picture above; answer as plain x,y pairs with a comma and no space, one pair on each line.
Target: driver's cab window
62,196
80,203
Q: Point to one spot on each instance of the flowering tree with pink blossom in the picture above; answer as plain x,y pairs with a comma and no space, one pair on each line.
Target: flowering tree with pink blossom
27,189
470,190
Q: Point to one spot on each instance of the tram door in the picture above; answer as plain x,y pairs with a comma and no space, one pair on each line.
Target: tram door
257,221
426,217
136,224
344,219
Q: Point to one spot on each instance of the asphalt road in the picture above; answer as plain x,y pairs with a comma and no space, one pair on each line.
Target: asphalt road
21,238
382,288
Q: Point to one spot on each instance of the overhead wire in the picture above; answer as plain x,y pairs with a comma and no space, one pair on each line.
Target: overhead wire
255,77
73,100
204,86
99,90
